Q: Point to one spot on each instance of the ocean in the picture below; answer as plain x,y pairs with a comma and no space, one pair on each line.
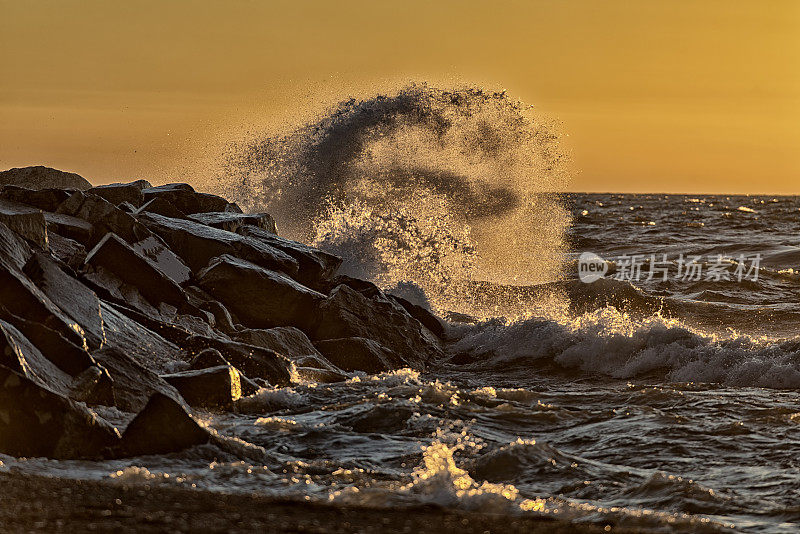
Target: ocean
664,400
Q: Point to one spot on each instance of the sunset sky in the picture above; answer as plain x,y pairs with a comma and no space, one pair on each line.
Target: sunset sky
676,96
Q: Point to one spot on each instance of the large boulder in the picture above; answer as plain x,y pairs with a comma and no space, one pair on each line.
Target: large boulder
133,383
40,177
76,300
259,297
44,199
117,193
159,206
20,296
254,362
189,201
347,313
116,256
104,217
163,258
26,221
197,244
21,356
360,354
35,421
68,226
14,251
316,266
162,427
225,220
212,387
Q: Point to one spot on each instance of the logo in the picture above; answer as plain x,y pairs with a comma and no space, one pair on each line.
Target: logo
591,267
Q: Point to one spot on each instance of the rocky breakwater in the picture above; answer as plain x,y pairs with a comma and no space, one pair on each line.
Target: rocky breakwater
124,307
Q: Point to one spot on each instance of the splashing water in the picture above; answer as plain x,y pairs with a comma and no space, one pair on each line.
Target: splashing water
429,187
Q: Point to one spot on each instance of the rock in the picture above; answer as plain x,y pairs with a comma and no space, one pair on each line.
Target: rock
162,427
116,256
43,177
285,340
73,298
160,206
68,226
21,356
67,251
188,201
27,222
35,421
316,266
208,358
360,354
42,199
259,297
104,217
14,251
428,319
21,297
197,244
133,383
207,388
163,258
254,362
233,221
347,313
117,193
145,345
366,288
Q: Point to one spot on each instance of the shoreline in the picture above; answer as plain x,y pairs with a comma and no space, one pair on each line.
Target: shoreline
33,503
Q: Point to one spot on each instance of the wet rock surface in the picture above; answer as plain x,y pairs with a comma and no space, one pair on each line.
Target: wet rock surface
153,301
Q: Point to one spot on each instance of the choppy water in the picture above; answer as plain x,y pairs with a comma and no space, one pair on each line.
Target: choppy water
671,406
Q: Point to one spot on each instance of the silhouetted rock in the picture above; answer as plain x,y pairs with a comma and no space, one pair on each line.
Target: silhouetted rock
154,249
360,354
159,206
259,297
207,388
162,427
316,266
188,201
116,256
348,313
35,421
27,222
40,177
67,251
133,383
21,297
254,362
233,221
428,319
197,244
21,356
104,217
68,226
43,199
73,298
117,193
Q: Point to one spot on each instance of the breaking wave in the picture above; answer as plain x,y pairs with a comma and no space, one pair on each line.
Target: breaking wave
426,187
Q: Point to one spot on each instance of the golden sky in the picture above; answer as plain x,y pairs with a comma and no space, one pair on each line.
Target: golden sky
667,95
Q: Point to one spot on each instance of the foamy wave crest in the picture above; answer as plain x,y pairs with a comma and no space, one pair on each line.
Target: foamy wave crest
426,186
611,343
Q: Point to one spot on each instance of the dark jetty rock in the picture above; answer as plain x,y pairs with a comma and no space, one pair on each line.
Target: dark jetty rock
153,299
36,421
211,387
260,298
188,201
163,426
225,220
118,193
40,177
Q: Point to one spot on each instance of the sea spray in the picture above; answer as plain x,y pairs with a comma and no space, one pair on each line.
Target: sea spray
429,188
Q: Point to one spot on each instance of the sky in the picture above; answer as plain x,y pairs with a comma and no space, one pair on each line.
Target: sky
652,96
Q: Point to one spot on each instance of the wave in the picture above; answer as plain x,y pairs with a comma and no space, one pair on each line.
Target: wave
427,186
